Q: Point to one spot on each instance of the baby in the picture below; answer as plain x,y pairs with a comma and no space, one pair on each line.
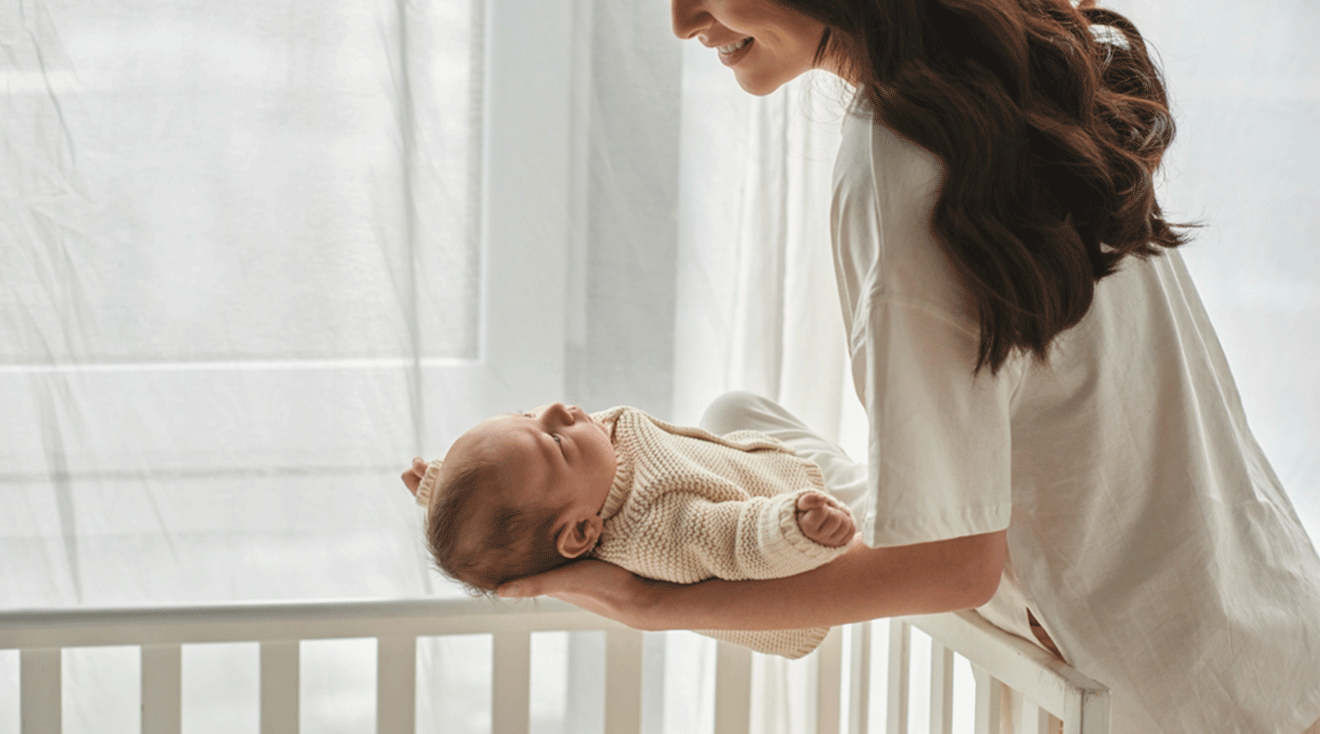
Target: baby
520,494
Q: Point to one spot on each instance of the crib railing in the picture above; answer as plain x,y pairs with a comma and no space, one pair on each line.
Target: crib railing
1020,689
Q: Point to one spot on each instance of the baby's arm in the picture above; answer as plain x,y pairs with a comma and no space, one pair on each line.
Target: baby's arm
685,538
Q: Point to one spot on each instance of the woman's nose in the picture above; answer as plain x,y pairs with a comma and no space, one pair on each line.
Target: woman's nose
688,17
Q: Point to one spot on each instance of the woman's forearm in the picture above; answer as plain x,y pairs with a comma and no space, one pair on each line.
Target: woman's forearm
866,583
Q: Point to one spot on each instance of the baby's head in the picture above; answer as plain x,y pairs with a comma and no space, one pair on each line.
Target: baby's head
520,494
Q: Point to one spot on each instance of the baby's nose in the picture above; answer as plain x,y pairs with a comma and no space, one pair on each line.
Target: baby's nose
562,413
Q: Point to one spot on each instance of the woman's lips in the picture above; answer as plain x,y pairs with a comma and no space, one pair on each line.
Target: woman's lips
733,53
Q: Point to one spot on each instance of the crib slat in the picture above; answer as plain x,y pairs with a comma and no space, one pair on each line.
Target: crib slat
989,702
396,685
512,672
859,665
162,709
733,689
941,688
623,681
829,674
39,691
900,649
279,687
1019,713
1030,718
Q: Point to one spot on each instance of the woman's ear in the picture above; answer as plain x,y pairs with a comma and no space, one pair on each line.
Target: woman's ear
579,536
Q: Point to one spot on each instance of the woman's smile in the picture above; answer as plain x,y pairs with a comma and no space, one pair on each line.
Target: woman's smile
765,43
734,52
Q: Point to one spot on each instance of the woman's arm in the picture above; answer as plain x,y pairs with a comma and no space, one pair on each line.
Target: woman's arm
866,583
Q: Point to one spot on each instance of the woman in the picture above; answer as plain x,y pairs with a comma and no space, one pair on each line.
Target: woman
1055,438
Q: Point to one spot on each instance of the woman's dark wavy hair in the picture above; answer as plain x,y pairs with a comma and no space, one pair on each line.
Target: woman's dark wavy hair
1050,139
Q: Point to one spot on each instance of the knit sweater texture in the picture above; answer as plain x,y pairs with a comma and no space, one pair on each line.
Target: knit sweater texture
687,505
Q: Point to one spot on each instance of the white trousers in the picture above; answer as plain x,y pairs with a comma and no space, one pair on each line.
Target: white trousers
741,411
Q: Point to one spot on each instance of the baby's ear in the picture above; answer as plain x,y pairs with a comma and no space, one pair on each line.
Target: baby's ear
579,536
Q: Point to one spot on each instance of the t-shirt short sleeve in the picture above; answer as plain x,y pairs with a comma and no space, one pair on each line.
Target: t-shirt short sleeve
938,453
939,449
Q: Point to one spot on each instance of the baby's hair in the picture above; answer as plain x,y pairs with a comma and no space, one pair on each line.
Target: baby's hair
516,542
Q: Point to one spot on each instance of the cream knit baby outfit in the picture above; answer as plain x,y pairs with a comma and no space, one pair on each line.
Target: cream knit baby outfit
687,505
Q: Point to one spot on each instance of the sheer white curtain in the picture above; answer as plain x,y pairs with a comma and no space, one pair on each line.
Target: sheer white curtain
257,255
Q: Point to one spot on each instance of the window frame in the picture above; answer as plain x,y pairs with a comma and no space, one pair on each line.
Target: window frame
89,421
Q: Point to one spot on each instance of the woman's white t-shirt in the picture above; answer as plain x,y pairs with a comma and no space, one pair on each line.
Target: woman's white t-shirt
1146,530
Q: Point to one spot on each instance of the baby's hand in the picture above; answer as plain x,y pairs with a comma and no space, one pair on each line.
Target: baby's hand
823,522
412,478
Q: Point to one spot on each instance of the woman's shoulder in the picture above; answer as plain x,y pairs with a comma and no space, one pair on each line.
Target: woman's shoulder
886,187
894,161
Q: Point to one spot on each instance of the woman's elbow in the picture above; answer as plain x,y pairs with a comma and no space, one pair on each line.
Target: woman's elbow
980,590
981,569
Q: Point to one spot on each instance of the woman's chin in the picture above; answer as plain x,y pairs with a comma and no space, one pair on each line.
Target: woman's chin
758,86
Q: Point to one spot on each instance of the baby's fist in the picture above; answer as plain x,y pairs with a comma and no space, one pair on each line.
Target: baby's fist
824,522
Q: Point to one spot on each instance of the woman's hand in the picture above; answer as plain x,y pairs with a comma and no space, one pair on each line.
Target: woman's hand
601,588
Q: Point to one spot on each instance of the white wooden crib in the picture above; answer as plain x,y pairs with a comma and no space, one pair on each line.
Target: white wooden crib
1017,684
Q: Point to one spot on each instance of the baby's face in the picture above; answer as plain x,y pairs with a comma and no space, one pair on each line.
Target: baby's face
554,458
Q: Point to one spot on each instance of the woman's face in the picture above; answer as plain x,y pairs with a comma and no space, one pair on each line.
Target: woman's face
765,43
